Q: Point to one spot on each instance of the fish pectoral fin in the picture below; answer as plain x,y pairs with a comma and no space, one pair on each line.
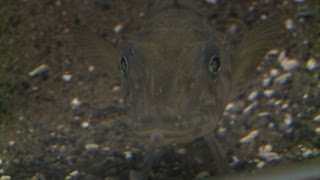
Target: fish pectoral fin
252,48
96,48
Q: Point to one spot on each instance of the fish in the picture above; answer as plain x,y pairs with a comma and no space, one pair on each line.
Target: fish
179,74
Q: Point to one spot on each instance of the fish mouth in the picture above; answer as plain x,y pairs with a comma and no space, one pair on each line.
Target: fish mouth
175,131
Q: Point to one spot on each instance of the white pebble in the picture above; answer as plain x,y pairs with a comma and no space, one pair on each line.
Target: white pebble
234,107
282,55
265,148
253,96
261,164
116,88
212,1
91,147
273,52
285,106
266,82
269,156
75,103
11,143
263,114
317,130
283,78
288,119
39,70
118,28
289,64
271,125
250,137
317,118
222,131
85,124
128,155
202,175
5,177
311,64
274,73
309,153
66,77
1,162
289,24
74,173
182,151
250,108
91,68
268,93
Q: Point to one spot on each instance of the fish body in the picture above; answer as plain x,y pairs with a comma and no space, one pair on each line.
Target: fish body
178,74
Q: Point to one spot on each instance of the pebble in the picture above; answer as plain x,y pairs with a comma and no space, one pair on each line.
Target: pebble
274,73
5,177
85,124
250,107
39,70
66,77
253,96
128,155
268,93
261,164
266,82
91,68
222,131
250,137
74,174
11,143
287,122
311,64
75,103
317,118
212,1
202,175
1,162
263,114
234,107
317,130
289,24
283,78
182,151
118,28
272,53
282,55
289,64
266,153
309,153
91,147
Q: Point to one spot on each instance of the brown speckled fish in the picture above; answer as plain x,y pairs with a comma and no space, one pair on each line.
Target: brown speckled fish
179,74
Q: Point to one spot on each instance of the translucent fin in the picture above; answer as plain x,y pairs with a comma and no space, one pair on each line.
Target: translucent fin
95,48
253,46
219,156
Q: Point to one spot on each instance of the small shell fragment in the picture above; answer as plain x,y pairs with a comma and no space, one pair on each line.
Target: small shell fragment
317,118
39,70
91,147
118,28
311,64
250,137
283,78
289,24
289,64
75,103
66,77
253,95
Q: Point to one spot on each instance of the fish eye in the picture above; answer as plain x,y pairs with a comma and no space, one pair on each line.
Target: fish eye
123,65
214,64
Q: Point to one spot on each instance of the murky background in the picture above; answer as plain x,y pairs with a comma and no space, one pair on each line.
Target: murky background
50,125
